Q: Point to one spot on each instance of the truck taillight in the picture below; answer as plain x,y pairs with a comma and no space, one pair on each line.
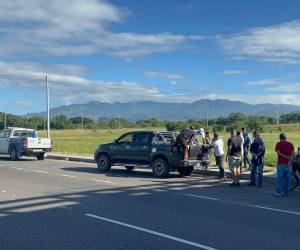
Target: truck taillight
25,142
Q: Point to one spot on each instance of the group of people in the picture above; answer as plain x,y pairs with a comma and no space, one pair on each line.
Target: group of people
239,145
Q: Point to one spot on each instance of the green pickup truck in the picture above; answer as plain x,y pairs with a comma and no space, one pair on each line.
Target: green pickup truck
146,149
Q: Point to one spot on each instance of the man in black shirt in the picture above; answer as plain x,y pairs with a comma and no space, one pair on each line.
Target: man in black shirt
184,138
234,156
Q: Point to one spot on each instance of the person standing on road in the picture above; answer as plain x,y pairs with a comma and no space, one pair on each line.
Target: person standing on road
257,149
184,138
240,135
247,144
234,156
218,146
286,152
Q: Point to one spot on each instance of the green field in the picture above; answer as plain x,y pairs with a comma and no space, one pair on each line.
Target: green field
84,142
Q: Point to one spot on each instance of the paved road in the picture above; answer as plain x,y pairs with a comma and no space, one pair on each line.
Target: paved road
66,205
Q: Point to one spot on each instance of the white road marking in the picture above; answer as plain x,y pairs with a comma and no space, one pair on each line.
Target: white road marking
66,175
3,191
103,181
39,171
244,204
191,243
277,210
203,197
17,168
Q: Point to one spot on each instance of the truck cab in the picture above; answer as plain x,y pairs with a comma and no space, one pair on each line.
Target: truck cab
144,149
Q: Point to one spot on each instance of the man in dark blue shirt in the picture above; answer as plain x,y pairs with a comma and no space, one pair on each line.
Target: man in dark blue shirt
257,150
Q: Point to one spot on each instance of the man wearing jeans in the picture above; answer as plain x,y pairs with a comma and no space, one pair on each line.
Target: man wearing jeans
218,146
257,149
285,151
246,145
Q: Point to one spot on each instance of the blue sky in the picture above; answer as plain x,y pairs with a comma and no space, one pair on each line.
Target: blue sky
129,50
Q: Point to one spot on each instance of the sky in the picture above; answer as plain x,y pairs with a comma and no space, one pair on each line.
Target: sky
134,50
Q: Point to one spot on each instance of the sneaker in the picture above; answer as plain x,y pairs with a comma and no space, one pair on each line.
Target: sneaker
278,194
251,184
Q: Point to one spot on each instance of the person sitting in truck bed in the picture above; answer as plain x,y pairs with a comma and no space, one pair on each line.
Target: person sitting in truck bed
184,138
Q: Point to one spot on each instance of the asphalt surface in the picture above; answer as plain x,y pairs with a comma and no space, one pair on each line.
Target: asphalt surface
67,205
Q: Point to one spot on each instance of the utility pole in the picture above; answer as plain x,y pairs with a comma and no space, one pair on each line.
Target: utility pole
119,123
277,118
48,107
4,120
206,118
81,120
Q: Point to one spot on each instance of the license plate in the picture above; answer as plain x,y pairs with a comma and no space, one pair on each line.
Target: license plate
37,150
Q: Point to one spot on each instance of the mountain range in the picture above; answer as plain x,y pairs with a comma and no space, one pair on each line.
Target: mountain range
168,111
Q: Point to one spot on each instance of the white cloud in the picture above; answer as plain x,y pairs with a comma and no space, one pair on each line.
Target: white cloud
271,81
76,27
186,7
293,99
274,85
234,72
276,44
69,85
163,74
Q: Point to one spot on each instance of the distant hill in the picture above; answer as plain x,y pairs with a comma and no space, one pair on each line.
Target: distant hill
168,111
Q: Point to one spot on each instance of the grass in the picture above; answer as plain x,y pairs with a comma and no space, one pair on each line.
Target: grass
84,142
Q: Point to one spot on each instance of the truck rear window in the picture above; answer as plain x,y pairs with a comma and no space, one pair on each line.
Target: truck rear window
25,133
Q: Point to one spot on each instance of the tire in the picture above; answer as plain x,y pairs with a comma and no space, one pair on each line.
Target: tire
185,171
13,155
160,168
129,168
103,163
40,157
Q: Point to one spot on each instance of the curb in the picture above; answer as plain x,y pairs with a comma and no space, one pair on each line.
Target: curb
69,158
268,179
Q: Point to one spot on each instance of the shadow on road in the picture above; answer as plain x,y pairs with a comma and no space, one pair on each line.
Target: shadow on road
118,172
58,221
6,158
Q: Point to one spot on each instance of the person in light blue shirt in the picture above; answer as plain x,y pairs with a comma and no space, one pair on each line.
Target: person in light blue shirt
246,147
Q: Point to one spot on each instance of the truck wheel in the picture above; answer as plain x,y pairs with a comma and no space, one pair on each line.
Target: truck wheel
103,163
13,155
40,157
129,168
160,168
186,171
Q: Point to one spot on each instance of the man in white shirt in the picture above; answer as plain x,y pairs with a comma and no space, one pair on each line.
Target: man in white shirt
218,146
